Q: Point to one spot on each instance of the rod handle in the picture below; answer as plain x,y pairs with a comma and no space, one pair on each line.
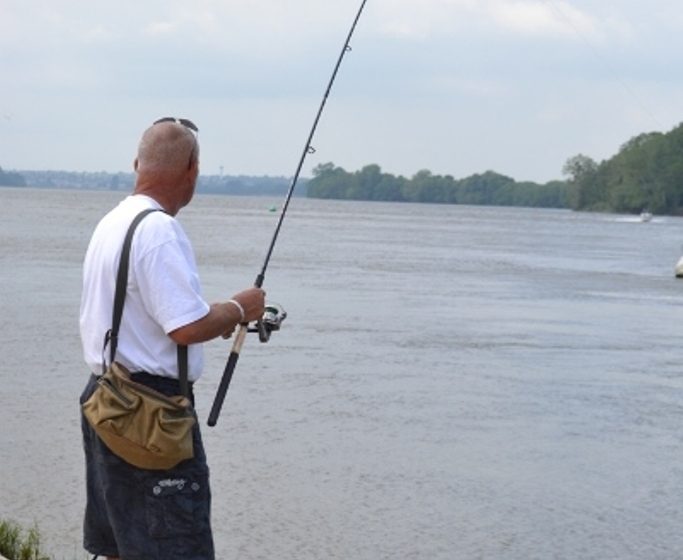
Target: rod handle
227,375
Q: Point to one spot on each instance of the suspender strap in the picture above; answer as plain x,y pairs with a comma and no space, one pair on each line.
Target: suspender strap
112,335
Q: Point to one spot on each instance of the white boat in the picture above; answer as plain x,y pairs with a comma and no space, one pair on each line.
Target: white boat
645,216
679,268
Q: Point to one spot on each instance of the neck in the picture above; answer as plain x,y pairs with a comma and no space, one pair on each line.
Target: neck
169,191
166,202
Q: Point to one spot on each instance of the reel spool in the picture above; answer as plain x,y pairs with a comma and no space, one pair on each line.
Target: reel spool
271,321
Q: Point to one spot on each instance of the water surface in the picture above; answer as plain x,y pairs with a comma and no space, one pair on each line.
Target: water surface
451,383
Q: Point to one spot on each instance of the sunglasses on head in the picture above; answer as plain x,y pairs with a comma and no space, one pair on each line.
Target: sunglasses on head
185,122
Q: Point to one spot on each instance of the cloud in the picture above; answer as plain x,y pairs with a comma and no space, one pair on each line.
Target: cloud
98,33
420,20
550,18
537,19
157,28
437,71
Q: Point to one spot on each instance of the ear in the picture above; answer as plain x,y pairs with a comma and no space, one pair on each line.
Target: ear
135,164
193,166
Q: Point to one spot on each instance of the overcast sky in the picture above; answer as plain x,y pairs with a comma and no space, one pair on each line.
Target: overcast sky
454,86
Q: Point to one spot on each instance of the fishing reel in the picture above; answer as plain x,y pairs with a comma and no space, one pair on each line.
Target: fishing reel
271,321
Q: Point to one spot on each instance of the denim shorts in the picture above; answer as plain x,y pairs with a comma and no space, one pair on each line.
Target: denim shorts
140,514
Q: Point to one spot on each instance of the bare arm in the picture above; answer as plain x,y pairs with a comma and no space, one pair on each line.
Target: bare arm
222,318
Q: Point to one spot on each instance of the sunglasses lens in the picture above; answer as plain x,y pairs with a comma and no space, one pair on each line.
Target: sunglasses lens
189,124
185,122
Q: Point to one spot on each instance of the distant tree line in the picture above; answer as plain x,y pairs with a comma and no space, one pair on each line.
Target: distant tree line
208,184
247,185
90,180
646,174
11,179
488,188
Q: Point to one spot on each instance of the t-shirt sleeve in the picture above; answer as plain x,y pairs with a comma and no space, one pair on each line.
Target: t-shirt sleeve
169,286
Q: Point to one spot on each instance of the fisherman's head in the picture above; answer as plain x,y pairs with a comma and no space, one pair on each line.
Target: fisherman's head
167,163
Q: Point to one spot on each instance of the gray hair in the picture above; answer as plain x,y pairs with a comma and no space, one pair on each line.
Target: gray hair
167,147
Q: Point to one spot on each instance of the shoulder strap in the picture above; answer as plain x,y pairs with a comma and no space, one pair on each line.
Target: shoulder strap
120,296
121,281
182,370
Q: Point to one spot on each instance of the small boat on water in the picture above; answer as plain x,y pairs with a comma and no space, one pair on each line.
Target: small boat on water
645,216
679,268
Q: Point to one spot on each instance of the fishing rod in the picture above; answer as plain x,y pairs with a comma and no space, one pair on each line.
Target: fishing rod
274,315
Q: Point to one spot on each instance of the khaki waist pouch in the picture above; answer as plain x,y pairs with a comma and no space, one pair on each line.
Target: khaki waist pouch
142,426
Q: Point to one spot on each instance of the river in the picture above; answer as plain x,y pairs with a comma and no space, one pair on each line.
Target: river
451,382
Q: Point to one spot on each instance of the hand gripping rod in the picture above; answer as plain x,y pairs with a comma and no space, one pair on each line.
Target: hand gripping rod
308,149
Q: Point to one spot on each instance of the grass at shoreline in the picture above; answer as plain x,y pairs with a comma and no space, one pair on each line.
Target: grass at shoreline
17,544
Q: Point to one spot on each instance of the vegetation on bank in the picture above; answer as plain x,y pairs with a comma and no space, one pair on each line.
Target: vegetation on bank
489,188
124,182
17,545
11,179
646,174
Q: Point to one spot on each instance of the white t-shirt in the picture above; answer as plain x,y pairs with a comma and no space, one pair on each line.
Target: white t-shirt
163,291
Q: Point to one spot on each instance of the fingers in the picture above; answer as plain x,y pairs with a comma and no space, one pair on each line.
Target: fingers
228,333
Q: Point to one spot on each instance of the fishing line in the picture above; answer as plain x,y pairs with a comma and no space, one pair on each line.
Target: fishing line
554,5
274,315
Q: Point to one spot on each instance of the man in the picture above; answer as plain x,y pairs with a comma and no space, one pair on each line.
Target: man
131,513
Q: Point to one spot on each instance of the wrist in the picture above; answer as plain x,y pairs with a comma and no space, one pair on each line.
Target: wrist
237,305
